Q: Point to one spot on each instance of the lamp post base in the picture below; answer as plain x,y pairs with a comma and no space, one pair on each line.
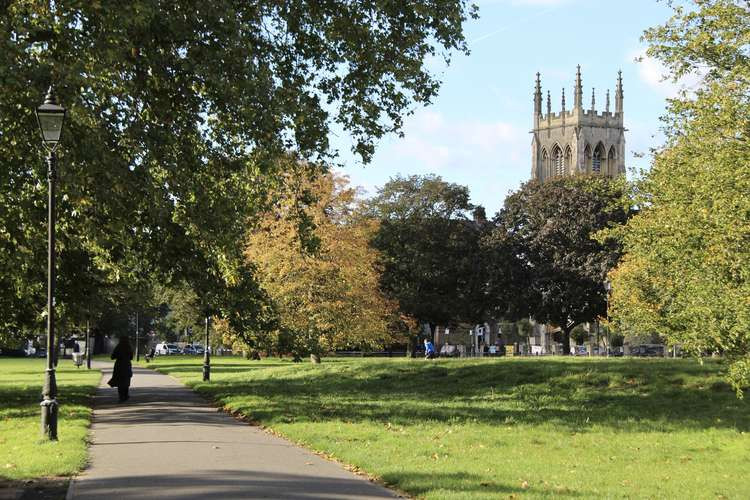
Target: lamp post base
49,404
206,371
49,419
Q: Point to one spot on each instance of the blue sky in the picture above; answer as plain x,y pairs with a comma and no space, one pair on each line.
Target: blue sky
476,132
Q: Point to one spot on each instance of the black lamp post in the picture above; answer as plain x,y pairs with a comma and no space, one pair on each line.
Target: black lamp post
206,355
608,289
51,117
88,346
137,339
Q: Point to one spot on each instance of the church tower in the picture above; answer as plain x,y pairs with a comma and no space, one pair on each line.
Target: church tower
577,140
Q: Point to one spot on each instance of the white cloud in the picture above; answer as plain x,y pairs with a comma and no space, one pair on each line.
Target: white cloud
654,74
488,156
440,144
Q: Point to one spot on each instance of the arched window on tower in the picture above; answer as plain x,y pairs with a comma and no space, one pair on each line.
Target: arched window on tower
568,158
557,160
597,158
545,164
587,158
611,163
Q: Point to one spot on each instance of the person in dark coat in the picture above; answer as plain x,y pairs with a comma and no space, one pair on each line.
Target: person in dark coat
123,371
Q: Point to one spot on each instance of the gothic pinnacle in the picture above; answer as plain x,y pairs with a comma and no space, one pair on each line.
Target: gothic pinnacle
607,102
593,99
549,104
538,96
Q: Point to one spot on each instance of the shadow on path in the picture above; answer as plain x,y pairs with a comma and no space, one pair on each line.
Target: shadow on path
166,442
232,483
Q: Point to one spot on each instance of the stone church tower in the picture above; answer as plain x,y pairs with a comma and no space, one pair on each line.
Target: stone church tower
577,140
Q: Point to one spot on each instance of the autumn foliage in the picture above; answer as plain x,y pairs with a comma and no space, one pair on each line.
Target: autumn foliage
313,259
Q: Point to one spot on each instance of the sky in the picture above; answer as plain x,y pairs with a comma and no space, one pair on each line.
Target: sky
476,132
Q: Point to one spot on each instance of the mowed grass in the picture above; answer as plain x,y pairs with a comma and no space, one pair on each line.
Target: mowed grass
503,428
23,454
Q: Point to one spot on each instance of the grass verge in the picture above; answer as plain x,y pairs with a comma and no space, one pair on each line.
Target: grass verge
23,454
519,428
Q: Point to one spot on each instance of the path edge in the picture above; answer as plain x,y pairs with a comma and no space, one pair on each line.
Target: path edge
70,493
219,407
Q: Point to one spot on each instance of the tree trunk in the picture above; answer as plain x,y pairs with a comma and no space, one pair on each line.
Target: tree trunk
566,341
315,359
411,346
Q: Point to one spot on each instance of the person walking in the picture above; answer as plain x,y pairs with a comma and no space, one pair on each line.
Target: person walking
123,370
429,349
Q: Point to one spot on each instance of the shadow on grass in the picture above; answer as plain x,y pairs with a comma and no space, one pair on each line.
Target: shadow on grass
453,483
21,402
628,395
216,368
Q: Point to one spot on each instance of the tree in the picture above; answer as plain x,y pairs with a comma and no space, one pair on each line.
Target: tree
525,330
324,289
429,249
544,259
686,272
178,111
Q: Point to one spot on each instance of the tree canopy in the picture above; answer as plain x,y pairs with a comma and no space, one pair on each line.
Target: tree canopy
326,293
177,112
429,247
686,273
544,259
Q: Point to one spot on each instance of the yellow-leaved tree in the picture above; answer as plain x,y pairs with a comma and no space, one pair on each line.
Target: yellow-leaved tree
313,259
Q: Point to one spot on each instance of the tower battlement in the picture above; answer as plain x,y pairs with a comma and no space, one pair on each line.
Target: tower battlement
578,140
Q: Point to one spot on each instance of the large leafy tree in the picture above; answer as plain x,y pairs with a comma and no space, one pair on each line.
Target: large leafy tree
686,273
544,259
429,248
324,287
176,112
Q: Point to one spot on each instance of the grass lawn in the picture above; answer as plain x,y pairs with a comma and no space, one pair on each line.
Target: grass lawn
518,428
23,455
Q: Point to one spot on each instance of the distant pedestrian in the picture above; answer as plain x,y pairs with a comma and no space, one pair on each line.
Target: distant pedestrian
123,370
429,349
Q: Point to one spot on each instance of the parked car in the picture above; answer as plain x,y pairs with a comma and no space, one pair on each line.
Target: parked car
164,349
198,348
648,350
578,350
189,350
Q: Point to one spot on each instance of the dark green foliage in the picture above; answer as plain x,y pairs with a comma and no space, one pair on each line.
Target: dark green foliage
177,111
430,249
543,257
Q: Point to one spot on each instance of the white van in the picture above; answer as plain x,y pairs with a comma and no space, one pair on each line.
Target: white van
164,349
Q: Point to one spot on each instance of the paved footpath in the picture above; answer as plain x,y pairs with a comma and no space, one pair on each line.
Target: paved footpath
168,443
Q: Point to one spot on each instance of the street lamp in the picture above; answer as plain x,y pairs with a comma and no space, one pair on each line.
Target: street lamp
137,340
88,346
51,117
608,289
206,355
